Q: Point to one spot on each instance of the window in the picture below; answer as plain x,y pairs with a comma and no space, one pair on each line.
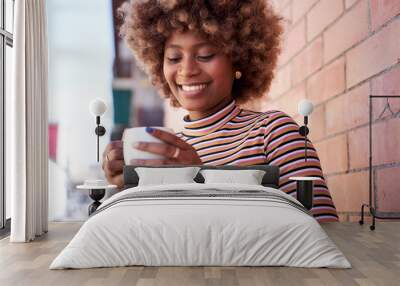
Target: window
6,44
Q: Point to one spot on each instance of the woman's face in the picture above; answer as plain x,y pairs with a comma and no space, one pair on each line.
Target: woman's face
198,74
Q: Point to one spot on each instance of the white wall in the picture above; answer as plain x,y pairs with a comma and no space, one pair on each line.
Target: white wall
80,69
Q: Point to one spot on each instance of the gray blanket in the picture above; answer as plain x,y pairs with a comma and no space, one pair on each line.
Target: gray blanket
209,193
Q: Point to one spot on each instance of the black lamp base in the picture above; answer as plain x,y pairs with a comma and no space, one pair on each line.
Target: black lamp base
305,193
96,195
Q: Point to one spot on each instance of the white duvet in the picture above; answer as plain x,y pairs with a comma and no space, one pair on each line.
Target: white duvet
201,224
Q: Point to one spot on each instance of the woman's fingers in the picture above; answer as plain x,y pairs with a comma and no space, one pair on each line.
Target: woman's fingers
169,138
113,173
113,163
156,148
172,149
113,145
115,154
113,167
117,180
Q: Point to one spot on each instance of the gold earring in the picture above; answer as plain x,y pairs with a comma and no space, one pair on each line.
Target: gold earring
238,74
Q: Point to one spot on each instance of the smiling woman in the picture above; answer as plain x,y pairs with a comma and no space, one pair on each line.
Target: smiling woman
207,57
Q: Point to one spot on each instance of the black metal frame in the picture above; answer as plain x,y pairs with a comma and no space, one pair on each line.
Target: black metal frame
372,206
6,39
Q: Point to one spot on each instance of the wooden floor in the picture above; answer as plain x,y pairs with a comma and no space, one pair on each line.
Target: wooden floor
375,256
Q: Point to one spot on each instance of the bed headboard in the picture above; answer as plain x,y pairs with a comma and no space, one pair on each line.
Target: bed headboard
270,179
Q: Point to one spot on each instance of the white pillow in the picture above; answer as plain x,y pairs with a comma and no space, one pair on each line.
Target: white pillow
249,177
162,176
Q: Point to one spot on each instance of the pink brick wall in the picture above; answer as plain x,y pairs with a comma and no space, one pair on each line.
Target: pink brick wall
336,53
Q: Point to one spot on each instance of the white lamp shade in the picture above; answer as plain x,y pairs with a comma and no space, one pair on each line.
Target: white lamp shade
97,107
305,107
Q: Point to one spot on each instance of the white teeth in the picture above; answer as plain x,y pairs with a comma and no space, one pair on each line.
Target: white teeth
193,87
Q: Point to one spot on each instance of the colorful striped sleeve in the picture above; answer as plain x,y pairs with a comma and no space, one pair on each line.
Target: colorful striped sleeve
285,148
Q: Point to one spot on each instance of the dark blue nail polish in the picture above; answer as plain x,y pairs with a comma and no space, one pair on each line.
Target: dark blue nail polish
149,129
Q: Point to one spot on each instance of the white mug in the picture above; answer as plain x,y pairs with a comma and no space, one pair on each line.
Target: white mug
136,134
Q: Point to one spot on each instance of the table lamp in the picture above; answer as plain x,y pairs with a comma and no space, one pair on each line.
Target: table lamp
305,108
305,185
97,188
97,108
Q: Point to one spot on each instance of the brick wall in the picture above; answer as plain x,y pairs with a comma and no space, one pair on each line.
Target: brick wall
336,53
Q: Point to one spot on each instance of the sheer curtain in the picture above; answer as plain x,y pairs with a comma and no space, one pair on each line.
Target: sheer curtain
26,132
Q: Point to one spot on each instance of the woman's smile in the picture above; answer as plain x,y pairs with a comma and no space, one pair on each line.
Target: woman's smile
193,90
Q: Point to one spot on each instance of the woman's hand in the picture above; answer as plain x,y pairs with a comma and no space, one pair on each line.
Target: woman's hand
175,150
113,163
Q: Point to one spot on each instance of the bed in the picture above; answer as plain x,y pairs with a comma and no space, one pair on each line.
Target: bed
201,223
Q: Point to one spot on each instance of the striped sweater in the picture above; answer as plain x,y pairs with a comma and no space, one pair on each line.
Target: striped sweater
234,136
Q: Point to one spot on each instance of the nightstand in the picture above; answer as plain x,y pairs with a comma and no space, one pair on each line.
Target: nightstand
97,190
305,190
